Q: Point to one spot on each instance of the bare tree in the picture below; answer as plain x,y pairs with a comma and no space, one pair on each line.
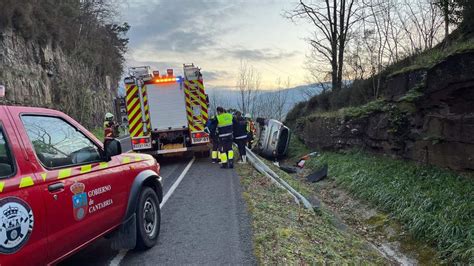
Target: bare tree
248,84
217,98
280,99
333,21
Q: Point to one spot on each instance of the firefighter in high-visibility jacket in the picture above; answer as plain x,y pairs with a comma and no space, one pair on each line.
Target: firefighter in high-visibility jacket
240,135
251,130
110,127
226,137
211,129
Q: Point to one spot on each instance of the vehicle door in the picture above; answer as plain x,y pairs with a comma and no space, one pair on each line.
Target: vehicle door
82,192
23,238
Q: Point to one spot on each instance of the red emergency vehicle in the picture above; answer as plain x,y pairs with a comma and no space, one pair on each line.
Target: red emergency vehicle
61,189
167,114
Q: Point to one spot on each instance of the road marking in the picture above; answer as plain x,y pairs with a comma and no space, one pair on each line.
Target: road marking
116,261
176,183
122,253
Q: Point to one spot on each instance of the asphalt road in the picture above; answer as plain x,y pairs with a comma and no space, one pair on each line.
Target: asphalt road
203,222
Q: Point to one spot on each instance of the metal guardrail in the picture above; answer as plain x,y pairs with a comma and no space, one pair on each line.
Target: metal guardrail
265,170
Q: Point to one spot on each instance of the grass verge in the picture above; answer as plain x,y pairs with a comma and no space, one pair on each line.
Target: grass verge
284,233
433,204
98,133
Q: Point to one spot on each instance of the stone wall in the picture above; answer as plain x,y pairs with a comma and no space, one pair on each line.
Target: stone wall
437,127
42,75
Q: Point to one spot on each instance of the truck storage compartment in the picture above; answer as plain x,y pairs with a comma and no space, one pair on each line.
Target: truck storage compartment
167,106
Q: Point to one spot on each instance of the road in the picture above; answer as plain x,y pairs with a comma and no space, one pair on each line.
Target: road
204,221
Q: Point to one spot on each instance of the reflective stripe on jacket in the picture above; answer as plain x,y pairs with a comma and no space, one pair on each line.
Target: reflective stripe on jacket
240,128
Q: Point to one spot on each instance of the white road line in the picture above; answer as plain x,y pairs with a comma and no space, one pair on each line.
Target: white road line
118,258
121,255
176,183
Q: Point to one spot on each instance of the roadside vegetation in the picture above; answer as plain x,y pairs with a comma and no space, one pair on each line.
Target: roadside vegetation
434,205
99,132
285,233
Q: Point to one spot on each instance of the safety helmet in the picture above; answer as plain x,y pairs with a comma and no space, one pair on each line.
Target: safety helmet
247,115
109,116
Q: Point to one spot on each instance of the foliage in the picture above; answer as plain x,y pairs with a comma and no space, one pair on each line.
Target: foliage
98,133
412,95
364,110
80,28
435,205
284,233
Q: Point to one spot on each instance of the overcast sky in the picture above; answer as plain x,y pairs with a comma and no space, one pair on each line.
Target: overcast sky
216,35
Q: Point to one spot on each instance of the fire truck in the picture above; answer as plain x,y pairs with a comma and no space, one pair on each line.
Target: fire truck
167,114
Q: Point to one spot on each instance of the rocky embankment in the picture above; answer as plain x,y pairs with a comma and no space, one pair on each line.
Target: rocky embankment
43,75
427,116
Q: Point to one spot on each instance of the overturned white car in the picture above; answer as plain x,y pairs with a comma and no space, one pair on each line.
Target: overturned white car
273,138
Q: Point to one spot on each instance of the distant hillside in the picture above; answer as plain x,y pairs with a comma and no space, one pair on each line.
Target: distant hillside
229,97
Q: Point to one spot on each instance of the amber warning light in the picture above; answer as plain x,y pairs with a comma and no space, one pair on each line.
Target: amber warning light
167,79
2,91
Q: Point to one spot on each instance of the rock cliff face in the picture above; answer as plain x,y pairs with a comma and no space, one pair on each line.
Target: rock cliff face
43,75
428,116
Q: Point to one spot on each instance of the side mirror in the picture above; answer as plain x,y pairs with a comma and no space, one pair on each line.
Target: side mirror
112,148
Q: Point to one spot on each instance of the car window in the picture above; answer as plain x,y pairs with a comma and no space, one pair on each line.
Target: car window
57,143
6,161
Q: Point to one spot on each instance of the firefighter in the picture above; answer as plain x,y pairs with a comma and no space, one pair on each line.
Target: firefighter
211,129
240,135
225,131
250,130
110,127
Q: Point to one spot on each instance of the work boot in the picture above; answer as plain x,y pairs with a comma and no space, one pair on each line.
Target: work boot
244,158
231,163
214,160
224,165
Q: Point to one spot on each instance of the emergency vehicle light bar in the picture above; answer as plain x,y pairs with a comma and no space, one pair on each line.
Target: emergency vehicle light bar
163,80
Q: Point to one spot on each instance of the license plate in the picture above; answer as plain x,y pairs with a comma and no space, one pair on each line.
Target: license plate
142,146
200,140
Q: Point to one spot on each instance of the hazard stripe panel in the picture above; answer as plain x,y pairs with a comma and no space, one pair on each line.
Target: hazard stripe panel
196,100
134,112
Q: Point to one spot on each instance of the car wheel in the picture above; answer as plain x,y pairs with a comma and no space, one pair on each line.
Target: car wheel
148,219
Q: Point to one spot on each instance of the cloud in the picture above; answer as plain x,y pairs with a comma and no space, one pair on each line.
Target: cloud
259,54
168,25
215,75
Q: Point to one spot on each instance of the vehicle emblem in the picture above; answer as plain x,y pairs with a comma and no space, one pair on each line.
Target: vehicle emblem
17,221
79,201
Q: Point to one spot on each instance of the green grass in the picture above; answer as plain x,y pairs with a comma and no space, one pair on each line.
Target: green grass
98,133
430,58
433,204
356,111
284,233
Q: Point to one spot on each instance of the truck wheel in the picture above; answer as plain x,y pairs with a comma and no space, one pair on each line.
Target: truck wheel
148,219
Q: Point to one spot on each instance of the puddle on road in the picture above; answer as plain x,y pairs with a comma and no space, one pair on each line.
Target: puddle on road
378,228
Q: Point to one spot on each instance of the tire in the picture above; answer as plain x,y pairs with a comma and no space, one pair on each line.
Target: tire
148,219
